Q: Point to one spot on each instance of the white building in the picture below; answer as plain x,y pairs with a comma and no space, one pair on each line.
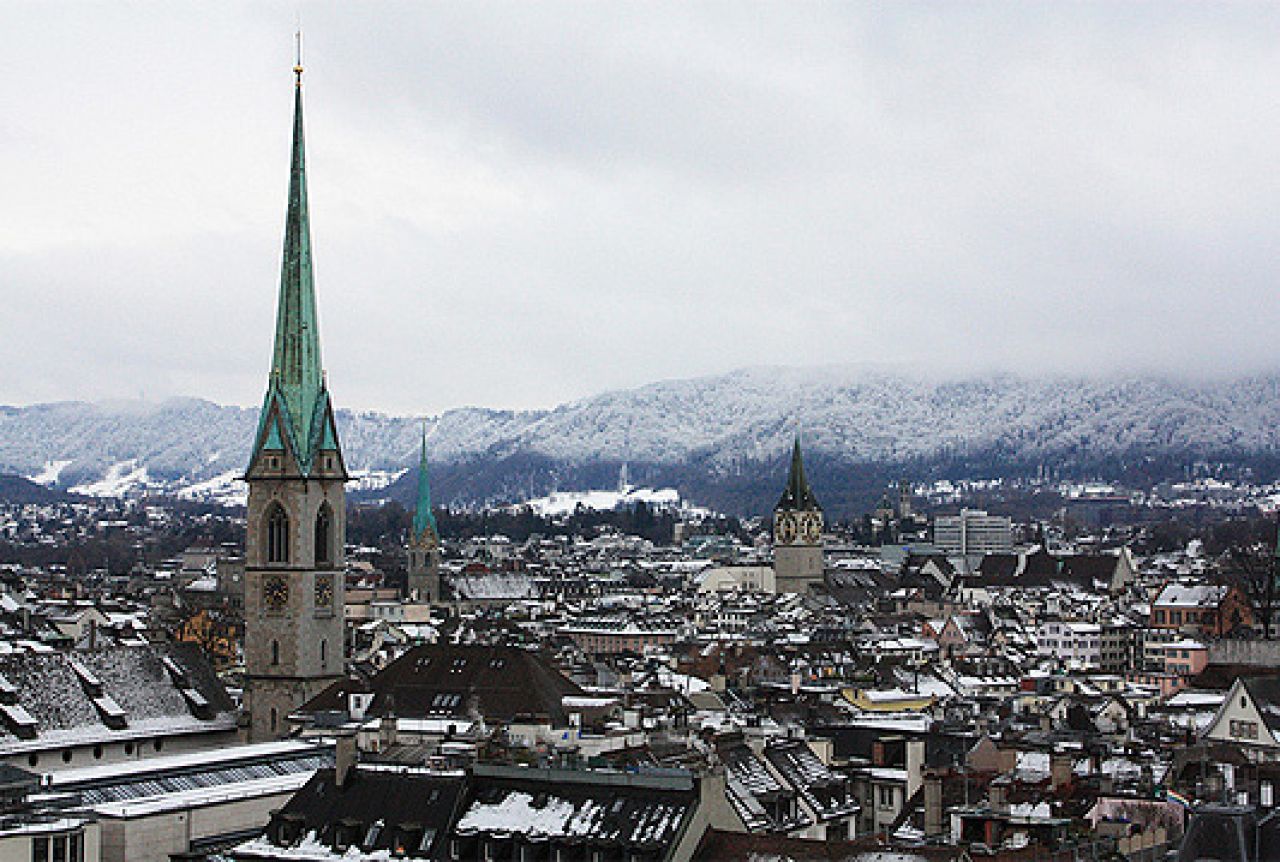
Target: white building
972,533
1070,642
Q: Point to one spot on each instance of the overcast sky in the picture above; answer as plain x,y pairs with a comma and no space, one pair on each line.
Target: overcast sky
516,204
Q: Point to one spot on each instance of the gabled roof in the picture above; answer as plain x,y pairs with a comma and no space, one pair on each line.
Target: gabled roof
412,813
753,790
57,698
1192,596
495,683
1265,691
825,792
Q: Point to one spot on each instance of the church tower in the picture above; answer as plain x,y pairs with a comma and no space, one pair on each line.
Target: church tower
797,533
294,634
424,542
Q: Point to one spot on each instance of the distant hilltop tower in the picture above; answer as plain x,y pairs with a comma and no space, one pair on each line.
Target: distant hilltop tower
797,532
904,499
424,543
296,520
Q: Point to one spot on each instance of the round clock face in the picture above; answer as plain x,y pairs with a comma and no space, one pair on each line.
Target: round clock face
275,592
324,592
810,530
786,528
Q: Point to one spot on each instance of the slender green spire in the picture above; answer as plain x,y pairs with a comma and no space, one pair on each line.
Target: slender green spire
295,362
797,496
424,521
297,386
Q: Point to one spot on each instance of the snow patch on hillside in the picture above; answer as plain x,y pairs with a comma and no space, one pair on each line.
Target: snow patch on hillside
374,480
121,478
225,489
567,502
49,473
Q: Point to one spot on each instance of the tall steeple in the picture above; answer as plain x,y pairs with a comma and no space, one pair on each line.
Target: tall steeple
797,496
296,413
296,358
423,572
295,518
425,531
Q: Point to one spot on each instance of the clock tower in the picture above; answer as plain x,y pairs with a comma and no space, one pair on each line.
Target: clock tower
296,519
797,533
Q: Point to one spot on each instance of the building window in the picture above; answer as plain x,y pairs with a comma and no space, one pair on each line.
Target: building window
66,756
40,848
1244,729
277,535
273,719
97,752
59,848
324,649
324,538
275,652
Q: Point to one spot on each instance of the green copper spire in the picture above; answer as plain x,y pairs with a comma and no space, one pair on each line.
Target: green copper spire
295,362
797,496
296,390
424,521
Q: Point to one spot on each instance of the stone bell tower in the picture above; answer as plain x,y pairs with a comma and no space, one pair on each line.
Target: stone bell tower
294,632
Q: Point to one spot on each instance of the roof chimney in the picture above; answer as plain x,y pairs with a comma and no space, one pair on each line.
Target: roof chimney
345,756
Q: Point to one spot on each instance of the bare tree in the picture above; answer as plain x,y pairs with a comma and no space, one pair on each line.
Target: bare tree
1254,568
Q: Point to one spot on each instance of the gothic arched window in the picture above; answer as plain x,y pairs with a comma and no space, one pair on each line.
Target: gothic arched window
275,652
277,535
324,535
324,649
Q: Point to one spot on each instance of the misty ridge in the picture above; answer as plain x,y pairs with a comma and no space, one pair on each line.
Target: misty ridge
702,435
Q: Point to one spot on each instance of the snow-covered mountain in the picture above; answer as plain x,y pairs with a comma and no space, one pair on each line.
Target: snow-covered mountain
717,426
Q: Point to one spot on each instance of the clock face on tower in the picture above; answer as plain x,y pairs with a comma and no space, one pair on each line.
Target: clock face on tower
275,593
786,529
324,591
